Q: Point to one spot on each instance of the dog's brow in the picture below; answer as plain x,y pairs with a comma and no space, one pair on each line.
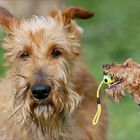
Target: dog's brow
37,36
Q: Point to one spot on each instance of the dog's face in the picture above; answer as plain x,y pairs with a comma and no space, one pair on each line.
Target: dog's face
42,59
125,76
41,52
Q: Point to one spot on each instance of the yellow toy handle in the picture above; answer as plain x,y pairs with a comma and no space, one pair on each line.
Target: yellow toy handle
106,80
99,108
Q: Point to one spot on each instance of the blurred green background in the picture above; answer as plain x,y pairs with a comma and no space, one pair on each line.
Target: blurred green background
113,35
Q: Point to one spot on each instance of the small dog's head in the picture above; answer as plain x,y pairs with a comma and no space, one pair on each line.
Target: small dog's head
125,76
41,52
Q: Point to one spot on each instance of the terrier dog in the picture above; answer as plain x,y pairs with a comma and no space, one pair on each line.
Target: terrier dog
127,78
51,95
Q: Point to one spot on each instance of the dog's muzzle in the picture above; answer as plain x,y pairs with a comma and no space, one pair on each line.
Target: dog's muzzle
40,91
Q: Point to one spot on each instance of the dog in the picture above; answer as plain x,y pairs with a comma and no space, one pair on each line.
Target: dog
127,78
48,93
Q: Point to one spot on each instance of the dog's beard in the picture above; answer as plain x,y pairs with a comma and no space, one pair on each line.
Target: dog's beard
50,115
115,94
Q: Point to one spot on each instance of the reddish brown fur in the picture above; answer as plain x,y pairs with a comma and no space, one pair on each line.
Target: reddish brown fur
76,13
129,74
66,114
7,19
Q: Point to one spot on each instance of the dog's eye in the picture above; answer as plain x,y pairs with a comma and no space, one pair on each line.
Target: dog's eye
24,55
126,65
56,53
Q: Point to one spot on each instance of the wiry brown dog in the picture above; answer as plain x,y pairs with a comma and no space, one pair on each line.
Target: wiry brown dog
127,78
49,80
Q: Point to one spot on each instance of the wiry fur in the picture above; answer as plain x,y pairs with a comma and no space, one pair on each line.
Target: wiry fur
129,74
56,117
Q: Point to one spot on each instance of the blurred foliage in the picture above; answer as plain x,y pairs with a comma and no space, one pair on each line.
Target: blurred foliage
2,60
113,35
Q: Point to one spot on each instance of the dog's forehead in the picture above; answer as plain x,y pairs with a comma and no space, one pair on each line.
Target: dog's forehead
40,29
36,23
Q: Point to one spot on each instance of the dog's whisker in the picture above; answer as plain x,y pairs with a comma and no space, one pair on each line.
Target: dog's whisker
14,111
20,94
20,75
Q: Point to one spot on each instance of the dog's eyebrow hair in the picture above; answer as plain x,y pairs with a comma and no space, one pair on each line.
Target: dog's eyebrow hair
59,47
25,48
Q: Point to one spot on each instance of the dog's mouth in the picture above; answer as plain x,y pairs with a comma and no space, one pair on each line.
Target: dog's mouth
116,82
114,85
43,106
43,103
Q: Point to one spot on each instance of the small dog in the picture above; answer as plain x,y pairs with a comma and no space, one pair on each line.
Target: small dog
51,95
127,78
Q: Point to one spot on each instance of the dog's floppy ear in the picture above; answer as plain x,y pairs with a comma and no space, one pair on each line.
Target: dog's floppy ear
75,13
67,16
7,20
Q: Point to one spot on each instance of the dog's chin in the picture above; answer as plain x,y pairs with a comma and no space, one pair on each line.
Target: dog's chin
43,108
116,92
43,112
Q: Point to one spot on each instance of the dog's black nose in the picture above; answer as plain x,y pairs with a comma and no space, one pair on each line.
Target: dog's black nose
41,91
107,66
